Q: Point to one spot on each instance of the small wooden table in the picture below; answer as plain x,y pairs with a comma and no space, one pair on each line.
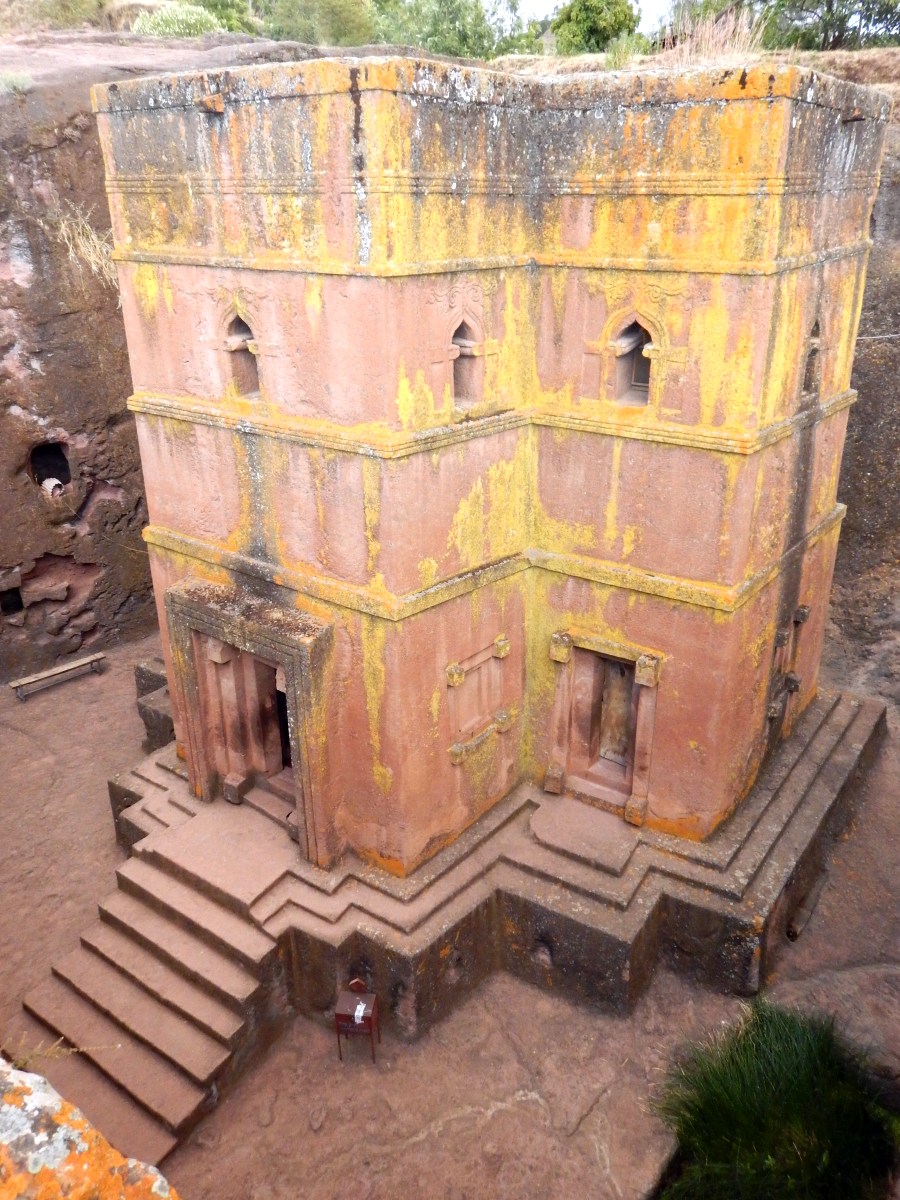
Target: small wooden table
355,1013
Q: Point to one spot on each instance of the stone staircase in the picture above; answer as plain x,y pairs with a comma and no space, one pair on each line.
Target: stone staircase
167,997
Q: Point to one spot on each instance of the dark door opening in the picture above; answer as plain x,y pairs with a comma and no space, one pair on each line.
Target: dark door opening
284,728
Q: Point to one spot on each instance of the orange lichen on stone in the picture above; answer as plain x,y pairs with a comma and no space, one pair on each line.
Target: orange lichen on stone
532,361
50,1151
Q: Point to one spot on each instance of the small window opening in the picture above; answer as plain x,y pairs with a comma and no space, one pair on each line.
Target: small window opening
632,366
49,461
11,601
242,348
811,373
468,366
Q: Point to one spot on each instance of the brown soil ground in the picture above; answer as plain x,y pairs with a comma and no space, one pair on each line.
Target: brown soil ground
518,1093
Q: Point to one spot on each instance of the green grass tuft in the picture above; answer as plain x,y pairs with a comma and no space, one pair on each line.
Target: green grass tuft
779,1107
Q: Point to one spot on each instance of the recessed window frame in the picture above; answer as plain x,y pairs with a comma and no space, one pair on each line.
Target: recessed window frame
632,367
466,365
243,348
811,382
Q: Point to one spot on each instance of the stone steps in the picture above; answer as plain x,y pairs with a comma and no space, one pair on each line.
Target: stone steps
151,797
124,1122
183,951
270,804
163,982
283,785
149,1078
219,926
166,999
173,1036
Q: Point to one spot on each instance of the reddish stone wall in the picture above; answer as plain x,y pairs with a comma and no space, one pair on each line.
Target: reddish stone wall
466,544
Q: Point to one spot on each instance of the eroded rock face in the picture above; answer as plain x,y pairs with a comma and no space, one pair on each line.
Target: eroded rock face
73,567
73,571
49,1150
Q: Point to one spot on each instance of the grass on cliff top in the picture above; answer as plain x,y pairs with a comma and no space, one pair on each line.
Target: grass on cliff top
778,1107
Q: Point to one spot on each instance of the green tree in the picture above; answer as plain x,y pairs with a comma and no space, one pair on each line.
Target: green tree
831,24
322,22
588,26
462,28
233,15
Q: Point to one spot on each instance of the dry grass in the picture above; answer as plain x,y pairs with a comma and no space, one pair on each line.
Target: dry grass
733,38
729,39
86,247
27,1056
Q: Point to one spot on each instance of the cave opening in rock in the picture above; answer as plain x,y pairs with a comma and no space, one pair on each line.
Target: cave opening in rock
49,461
11,601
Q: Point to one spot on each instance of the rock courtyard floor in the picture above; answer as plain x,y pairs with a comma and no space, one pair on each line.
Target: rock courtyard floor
518,1093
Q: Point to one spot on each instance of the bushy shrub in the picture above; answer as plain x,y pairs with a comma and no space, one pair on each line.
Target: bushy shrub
14,81
779,1107
177,20
622,49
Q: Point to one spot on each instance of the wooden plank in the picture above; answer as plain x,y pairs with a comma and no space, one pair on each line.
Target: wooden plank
28,684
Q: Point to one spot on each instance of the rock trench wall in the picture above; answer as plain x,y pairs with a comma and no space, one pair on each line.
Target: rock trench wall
73,569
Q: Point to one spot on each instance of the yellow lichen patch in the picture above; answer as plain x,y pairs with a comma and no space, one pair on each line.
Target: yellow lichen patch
416,406
551,533
611,515
491,521
428,572
146,285
507,497
516,375
434,707
371,477
373,633
467,530
318,467
312,297
483,766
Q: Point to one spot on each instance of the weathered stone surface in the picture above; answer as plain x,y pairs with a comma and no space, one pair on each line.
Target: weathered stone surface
149,676
63,380
155,710
50,1151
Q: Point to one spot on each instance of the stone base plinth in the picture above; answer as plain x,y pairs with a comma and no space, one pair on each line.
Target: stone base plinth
559,893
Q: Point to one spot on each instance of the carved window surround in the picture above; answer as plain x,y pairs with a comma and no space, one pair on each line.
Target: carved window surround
477,712
647,665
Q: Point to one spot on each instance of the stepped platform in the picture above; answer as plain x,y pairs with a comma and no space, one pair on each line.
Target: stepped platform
218,930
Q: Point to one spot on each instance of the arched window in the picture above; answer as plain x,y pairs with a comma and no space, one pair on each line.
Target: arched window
468,367
632,366
811,371
242,348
